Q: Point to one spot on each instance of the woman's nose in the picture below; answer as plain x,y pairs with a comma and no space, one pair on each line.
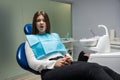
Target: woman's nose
41,21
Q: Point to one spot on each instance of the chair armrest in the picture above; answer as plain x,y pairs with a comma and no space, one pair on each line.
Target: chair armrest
106,55
107,59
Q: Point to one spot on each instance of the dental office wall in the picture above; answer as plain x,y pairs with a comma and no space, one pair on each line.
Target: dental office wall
14,14
87,14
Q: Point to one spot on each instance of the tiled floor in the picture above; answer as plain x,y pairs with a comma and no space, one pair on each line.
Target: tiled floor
27,76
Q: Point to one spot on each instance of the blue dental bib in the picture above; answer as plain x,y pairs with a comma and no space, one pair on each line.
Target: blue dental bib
45,44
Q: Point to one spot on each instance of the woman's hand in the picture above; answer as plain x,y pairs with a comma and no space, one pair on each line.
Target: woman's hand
66,60
60,62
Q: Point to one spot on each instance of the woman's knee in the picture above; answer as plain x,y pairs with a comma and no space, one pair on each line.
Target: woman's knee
94,66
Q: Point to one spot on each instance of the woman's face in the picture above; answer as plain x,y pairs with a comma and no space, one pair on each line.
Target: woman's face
41,24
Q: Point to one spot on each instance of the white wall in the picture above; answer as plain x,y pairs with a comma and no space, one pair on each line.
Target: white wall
87,14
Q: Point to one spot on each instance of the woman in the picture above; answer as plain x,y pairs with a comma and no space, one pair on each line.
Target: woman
46,53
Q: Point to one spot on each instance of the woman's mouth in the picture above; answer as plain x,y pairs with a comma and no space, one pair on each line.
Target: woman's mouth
41,26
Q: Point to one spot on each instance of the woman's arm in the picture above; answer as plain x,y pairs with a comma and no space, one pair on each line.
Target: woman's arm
36,64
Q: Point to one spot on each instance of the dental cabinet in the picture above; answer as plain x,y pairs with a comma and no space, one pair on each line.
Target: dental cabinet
68,42
114,41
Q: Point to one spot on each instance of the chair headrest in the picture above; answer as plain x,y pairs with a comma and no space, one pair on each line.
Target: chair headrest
28,29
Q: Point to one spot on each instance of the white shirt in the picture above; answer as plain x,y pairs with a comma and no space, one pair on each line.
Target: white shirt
44,63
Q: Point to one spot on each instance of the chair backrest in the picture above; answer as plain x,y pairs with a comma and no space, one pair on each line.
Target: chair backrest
28,29
20,55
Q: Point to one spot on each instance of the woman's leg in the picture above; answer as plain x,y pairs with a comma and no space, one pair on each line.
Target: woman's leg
77,71
112,73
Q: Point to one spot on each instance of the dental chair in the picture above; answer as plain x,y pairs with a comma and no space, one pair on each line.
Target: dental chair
102,51
20,55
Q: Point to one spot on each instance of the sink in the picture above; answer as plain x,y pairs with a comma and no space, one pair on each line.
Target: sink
99,44
91,42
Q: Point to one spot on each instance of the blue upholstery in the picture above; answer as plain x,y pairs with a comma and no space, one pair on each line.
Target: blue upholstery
20,55
28,29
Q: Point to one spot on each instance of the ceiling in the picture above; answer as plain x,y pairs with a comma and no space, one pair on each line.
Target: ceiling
64,1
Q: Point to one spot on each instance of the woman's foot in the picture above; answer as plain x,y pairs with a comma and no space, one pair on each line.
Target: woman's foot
83,56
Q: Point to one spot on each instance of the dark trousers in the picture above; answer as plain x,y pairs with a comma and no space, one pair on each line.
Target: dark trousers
80,70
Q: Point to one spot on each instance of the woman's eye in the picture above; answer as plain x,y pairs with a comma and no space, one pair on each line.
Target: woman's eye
43,20
39,20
